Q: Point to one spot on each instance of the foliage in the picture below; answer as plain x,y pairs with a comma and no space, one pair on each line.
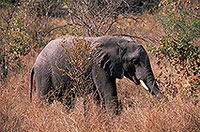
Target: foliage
15,41
141,112
21,29
79,52
181,24
5,3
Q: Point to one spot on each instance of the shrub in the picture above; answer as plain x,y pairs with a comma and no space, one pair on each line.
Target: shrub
21,29
78,64
15,41
181,24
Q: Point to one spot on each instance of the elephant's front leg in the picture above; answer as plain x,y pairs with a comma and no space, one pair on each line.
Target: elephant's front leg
106,88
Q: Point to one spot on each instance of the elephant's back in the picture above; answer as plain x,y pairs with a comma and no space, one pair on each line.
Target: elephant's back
54,47
49,53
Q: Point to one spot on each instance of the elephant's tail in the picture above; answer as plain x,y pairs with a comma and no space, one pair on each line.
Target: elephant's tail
31,82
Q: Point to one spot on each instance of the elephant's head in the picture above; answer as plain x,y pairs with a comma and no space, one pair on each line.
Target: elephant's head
120,57
137,67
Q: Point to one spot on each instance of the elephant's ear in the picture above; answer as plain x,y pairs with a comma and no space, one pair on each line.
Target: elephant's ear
108,57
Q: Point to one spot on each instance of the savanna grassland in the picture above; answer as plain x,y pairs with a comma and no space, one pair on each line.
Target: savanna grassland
170,33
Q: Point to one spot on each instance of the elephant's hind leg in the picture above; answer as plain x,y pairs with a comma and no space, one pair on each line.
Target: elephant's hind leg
44,87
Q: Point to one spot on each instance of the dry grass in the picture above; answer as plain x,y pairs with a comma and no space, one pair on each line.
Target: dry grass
141,112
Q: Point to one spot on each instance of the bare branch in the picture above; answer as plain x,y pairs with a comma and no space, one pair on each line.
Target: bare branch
46,33
98,20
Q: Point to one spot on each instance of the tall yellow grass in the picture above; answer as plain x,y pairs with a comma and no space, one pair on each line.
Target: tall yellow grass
141,112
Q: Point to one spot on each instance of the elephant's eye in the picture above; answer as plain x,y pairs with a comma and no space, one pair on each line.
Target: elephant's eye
134,60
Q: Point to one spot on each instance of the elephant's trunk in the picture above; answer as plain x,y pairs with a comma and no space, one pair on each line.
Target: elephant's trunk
154,89
149,83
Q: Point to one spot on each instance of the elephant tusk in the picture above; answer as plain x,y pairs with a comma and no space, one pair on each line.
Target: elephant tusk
144,85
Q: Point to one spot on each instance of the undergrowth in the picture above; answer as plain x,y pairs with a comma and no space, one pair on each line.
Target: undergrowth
180,44
175,62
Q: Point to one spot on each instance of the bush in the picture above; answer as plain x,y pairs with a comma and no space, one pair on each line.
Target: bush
21,29
78,65
4,3
15,41
182,27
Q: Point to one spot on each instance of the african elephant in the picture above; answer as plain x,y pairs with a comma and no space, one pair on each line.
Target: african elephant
113,57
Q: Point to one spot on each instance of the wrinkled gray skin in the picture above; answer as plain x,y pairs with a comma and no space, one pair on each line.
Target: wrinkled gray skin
114,57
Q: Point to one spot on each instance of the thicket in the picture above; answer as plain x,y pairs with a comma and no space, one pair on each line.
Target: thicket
15,41
21,29
78,56
27,26
180,44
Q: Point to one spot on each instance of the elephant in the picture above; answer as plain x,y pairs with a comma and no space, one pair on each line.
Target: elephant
113,57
